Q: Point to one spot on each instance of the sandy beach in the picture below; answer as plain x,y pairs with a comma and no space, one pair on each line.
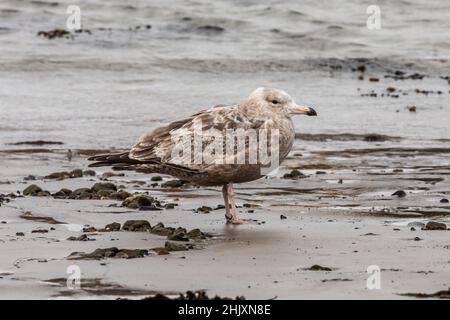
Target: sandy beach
345,226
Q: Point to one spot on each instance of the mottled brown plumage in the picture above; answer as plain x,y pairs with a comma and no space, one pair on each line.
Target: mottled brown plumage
265,109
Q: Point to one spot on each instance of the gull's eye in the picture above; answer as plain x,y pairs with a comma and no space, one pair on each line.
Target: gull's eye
275,101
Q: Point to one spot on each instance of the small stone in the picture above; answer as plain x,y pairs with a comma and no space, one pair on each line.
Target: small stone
294,175
178,234
399,193
160,230
172,246
433,225
444,201
81,193
156,178
77,173
89,173
131,254
31,190
161,251
62,194
115,226
412,108
100,186
120,195
20,234
195,234
136,225
58,175
317,267
204,209
40,231
82,237
140,201
416,224
282,217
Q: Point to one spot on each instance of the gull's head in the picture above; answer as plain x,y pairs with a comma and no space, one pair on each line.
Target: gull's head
279,101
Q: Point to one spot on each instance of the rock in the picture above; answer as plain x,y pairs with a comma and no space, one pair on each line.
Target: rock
211,29
141,201
173,184
361,68
56,33
89,229
43,194
95,255
160,230
282,217
294,175
317,267
204,209
77,173
115,226
102,186
105,193
416,224
40,231
433,225
20,234
399,193
178,234
131,254
411,108
112,174
31,190
90,173
62,194
58,175
82,237
81,193
444,201
29,178
172,246
120,195
112,252
161,251
195,234
390,89
136,225
156,178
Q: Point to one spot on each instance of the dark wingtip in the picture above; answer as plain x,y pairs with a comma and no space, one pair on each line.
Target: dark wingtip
311,112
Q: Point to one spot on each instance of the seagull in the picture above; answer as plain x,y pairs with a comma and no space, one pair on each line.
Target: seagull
199,149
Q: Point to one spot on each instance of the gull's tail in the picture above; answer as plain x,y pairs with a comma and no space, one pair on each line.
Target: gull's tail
113,159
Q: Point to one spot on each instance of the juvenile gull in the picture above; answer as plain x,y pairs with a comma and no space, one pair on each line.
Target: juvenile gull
173,149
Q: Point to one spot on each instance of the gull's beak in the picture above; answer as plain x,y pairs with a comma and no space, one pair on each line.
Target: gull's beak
296,109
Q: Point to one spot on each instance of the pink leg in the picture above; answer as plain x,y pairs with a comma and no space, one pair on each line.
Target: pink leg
228,215
233,211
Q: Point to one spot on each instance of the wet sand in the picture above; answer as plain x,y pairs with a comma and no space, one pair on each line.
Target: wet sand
340,215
